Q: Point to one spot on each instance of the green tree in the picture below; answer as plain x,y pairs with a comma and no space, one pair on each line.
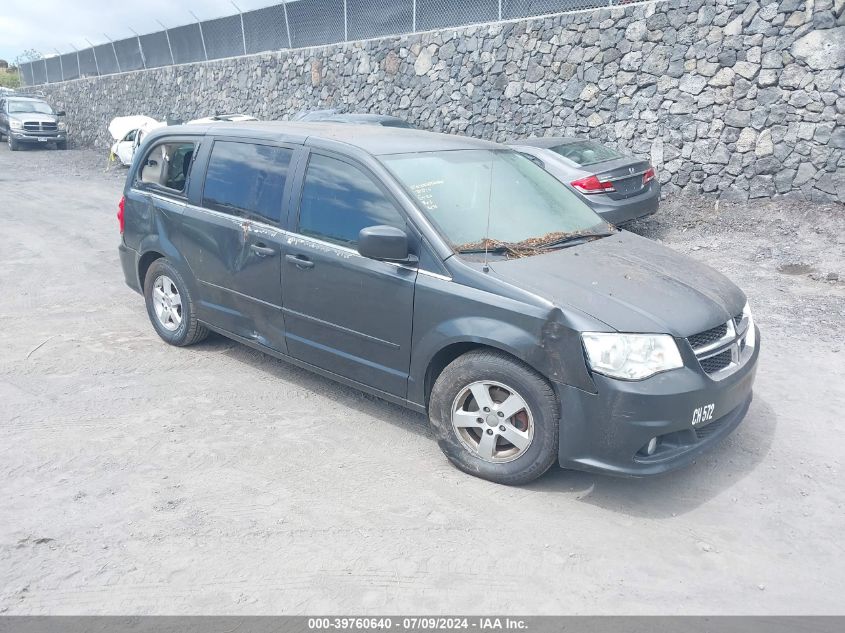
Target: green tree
10,79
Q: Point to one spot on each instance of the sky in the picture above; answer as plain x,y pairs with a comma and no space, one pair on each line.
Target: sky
46,25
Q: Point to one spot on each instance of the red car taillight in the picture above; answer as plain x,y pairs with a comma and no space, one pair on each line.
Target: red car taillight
591,184
648,176
120,220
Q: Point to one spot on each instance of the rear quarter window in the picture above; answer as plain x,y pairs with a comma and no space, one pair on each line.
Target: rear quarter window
167,165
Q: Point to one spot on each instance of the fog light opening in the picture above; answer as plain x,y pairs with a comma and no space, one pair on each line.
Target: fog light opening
651,446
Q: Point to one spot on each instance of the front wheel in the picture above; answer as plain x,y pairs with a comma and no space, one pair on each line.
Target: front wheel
61,145
496,418
13,144
170,305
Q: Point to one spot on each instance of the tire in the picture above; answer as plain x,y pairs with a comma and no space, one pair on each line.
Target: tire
61,145
177,324
501,377
13,144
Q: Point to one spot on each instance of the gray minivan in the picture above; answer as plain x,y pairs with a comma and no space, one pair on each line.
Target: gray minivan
447,274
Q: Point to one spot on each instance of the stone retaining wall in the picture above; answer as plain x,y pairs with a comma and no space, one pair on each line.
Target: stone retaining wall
740,99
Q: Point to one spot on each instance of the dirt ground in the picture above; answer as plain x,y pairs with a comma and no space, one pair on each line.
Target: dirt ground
139,478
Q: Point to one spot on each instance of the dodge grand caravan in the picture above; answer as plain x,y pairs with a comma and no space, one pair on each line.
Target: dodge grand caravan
450,275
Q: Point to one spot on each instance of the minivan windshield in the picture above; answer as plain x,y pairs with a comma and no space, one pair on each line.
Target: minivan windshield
19,106
462,191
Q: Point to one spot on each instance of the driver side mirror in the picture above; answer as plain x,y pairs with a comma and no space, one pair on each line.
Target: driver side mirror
60,113
384,243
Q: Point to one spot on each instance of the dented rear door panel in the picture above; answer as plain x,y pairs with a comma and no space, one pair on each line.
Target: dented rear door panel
237,263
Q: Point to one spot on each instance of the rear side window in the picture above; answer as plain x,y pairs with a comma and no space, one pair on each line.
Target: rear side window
586,152
338,200
167,165
246,179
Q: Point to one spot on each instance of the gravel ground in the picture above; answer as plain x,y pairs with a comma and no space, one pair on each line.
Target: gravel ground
138,478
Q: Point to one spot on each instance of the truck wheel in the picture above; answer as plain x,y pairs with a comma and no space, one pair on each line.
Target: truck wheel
13,144
170,306
496,418
61,145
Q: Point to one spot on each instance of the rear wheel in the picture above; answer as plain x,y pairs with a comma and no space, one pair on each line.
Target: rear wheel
496,418
170,305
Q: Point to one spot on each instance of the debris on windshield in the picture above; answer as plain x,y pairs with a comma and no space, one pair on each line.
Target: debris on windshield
524,248
512,250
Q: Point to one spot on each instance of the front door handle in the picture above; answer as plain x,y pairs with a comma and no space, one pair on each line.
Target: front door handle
301,261
261,250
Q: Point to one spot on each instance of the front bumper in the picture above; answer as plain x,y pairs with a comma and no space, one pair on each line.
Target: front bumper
608,431
23,136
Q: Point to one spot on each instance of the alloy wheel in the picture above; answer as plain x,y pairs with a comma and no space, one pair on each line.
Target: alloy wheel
167,303
492,421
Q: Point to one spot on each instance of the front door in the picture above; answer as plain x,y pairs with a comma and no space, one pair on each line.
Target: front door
345,313
232,241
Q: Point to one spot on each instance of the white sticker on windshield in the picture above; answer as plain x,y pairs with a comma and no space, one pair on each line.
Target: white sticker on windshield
423,192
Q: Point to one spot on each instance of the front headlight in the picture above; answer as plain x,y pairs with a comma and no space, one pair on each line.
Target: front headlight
62,125
631,356
15,124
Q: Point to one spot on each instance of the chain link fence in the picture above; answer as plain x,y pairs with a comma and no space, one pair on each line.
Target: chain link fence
292,24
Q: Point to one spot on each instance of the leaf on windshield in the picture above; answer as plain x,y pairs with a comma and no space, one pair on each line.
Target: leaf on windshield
523,248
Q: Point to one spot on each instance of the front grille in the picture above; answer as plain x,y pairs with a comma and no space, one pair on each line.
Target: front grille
45,126
708,337
741,326
722,349
717,362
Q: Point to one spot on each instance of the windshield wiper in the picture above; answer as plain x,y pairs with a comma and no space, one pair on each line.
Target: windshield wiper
576,237
497,248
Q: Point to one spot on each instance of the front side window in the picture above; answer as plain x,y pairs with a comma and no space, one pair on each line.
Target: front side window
500,195
246,178
167,165
338,200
